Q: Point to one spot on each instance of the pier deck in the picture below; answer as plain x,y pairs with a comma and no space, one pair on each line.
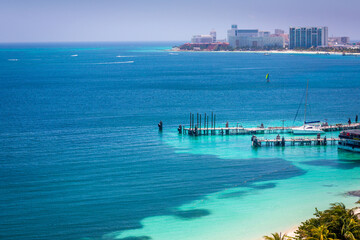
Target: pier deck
256,142
198,131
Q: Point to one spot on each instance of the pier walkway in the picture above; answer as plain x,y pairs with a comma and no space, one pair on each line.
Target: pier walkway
195,131
256,142
208,127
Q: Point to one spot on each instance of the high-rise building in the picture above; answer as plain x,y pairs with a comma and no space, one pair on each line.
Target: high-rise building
252,38
213,34
211,38
202,39
336,41
264,34
345,40
279,31
307,37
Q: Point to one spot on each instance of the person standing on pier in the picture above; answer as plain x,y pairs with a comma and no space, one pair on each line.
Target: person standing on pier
349,121
356,118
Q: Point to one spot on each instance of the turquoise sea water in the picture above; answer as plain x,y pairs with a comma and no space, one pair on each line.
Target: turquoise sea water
81,156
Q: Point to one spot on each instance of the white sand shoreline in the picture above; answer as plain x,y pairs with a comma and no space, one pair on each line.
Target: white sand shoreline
274,52
290,232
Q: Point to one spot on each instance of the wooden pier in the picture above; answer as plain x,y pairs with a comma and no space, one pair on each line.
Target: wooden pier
256,142
198,127
233,131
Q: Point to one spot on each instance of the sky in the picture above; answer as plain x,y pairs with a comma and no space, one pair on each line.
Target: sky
166,20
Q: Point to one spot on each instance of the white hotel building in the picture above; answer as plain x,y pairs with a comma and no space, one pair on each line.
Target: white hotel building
252,38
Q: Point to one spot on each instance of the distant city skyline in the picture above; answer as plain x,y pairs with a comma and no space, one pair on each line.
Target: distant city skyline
161,20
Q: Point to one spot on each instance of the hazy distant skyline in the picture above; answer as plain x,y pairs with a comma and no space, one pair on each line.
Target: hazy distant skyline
161,20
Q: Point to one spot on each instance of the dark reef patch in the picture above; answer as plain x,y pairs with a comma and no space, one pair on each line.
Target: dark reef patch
233,194
191,214
333,163
263,186
244,192
137,238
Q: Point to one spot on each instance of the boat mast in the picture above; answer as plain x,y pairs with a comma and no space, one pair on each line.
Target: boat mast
307,88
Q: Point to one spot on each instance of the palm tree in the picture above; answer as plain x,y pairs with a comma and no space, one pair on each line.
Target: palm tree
322,233
276,236
350,229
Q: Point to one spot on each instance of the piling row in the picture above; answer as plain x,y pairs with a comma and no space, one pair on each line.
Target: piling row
256,142
196,129
200,127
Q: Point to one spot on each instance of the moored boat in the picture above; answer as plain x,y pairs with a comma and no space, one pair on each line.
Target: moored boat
308,128
350,140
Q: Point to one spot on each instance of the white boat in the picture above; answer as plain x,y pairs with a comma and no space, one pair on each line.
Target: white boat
308,128
350,140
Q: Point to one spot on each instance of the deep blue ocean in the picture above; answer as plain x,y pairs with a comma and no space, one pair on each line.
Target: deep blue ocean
81,156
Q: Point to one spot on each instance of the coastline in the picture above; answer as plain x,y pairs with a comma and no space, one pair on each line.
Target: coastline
290,232
273,52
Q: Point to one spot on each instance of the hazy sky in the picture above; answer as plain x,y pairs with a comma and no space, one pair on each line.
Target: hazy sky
152,20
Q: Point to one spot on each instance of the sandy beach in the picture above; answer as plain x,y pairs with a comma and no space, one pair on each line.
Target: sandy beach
274,52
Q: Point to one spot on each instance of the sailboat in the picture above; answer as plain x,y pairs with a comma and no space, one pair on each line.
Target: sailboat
313,127
267,78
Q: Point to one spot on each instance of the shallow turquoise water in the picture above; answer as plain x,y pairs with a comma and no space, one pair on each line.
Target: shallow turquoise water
81,156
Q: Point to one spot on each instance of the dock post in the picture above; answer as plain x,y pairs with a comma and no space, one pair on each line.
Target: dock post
197,119
193,121
207,126
255,142
214,120
200,124
160,125
180,129
190,121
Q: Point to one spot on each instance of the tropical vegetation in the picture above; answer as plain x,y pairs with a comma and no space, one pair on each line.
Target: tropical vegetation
335,223
276,236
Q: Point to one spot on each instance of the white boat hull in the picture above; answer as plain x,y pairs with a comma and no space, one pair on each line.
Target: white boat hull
308,129
306,132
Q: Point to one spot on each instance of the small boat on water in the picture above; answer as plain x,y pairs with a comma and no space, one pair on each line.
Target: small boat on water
308,128
267,78
350,140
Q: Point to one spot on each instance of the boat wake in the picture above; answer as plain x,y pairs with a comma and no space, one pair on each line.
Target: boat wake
119,56
75,55
13,60
115,62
